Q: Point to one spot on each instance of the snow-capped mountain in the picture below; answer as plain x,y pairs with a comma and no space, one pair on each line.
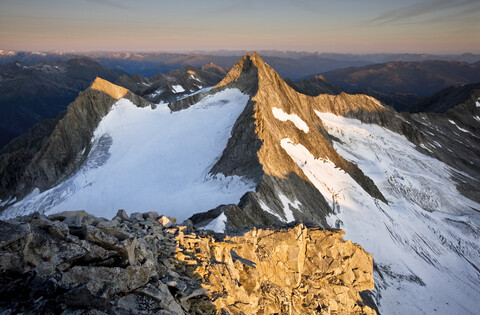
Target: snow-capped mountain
253,151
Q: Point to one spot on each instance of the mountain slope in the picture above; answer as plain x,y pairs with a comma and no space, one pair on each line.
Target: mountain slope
447,98
414,233
67,146
136,157
256,152
31,93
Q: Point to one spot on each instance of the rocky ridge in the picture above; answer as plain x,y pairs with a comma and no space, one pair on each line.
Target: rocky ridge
75,263
174,84
65,147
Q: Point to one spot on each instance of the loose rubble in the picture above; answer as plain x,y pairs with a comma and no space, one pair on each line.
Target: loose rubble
75,263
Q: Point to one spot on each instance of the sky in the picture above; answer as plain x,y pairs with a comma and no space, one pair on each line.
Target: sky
344,26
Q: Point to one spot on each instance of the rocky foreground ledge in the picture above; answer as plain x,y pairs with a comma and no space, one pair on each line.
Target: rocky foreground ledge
75,263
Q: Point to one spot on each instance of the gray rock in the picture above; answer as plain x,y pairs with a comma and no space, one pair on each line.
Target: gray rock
122,215
73,218
163,296
57,229
152,215
136,217
12,231
96,236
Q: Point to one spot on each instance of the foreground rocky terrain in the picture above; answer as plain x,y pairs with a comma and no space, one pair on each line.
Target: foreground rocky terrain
76,263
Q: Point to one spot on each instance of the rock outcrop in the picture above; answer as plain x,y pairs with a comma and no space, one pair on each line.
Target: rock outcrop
75,263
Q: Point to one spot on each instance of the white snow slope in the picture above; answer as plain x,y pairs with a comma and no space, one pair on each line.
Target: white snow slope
425,242
147,159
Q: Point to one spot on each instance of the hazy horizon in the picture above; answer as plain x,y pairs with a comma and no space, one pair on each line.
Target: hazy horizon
356,27
233,52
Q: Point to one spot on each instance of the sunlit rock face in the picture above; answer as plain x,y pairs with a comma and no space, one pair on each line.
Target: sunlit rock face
74,262
281,271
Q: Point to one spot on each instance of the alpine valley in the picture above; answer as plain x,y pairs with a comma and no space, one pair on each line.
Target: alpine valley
247,155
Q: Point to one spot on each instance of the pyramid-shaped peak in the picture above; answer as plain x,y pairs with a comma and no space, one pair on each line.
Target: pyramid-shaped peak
247,73
115,91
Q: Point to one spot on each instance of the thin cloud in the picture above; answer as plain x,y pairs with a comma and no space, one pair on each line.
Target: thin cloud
112,4
422,8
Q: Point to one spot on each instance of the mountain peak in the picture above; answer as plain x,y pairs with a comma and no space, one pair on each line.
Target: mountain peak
247,72
115,91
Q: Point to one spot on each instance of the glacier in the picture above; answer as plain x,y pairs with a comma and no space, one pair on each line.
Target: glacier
145,159
425,242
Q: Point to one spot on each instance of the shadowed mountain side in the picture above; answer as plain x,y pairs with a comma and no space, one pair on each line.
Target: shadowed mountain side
67,146
310,206
401,102
447,98
30,93
314,86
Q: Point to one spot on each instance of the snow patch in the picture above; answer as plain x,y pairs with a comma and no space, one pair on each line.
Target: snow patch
178,89
279,114
156,93
218,224
287,203
459,128
266,208
424,147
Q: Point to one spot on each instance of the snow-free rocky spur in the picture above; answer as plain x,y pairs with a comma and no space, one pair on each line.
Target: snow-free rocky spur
252,151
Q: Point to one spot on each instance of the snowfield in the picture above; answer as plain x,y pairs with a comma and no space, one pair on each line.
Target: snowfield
146,159
279,114
425,242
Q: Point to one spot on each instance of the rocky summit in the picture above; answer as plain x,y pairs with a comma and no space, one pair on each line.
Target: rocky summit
76,263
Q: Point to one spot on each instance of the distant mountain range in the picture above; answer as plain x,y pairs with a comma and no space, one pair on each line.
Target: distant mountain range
399,84
423,78
291,64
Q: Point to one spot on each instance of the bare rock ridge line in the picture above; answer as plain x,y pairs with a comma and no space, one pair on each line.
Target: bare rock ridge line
67,145
73,262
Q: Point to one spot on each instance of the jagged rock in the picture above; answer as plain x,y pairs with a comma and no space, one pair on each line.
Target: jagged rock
162,295
11,232
152,215
46,269
165,222
298,270
96,236
136,217
57,229
122,215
